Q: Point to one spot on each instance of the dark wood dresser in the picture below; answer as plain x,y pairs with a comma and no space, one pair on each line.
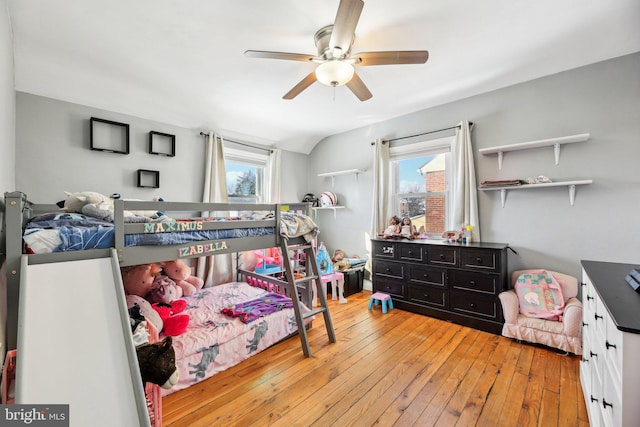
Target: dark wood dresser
450,281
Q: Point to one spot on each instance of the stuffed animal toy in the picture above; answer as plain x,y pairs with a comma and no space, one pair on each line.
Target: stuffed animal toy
174,320
180,273
149,313
138,279
157,363
163,290
99,206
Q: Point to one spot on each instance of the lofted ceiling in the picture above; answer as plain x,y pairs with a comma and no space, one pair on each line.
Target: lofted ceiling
183,62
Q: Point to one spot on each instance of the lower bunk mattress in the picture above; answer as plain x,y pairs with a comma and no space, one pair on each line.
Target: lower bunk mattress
214,341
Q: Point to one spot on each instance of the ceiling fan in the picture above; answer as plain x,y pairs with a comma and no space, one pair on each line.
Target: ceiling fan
336,63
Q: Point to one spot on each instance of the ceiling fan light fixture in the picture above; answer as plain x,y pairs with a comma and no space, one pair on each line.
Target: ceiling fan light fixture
334,73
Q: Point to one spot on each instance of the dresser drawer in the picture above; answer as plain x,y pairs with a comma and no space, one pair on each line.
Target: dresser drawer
389,269
390,287
427,275
478,259
442,255
465,303
427,295
613,350
475,282
384,250
410,252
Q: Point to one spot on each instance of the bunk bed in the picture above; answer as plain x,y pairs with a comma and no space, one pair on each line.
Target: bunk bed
207,229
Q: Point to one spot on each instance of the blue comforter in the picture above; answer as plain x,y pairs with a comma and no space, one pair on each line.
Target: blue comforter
77,232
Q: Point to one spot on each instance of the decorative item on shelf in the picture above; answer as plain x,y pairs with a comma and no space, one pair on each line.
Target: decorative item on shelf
327,199
148,178
108,136
162,144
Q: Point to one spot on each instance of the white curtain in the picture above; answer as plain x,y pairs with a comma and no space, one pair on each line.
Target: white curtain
464,198
381,177
273,177
215,269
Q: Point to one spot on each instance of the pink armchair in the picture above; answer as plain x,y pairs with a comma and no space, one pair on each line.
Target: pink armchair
565,335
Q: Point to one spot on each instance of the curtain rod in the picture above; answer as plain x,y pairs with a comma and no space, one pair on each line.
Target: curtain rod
420,134
241,143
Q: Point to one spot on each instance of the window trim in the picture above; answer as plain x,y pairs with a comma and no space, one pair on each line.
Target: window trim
422,148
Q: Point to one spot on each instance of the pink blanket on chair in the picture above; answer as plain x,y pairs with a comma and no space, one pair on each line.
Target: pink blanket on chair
540,295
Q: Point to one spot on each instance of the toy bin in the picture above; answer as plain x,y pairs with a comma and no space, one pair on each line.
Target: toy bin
353,280
8,378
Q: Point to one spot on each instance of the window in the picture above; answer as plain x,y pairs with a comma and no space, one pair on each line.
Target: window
245,173
420,179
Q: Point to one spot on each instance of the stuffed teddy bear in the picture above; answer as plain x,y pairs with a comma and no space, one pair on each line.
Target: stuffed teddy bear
163,290
138,279
174,320
180,273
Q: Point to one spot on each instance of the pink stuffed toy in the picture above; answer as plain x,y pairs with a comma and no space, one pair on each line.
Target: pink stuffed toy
138,279
164,290
174,320
180,273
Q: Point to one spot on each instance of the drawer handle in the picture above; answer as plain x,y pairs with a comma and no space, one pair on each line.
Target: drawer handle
388,270
608,344
597,317
479,260
410,252
589,297
593,399
605,403
585,360
583,284
425,275
473,305
592,354
441,256
426,295
585,324
472,282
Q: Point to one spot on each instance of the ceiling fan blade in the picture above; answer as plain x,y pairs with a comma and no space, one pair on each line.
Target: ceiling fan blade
280,55
358,88
391,57
345,24
304,83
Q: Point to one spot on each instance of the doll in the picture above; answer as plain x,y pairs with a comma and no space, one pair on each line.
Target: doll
393,230
407,230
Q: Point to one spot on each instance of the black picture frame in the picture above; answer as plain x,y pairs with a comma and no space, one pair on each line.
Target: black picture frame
162,144
108,136
148,178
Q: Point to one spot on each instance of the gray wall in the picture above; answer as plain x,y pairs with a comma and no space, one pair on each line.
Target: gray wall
7,103
602,99
53,156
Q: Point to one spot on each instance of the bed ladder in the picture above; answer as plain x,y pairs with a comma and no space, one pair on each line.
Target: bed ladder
303,288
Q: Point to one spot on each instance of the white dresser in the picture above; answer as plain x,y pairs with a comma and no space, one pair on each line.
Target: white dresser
610,366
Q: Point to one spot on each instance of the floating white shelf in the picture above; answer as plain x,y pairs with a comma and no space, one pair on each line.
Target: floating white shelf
570,184
344,172
555,142
320,208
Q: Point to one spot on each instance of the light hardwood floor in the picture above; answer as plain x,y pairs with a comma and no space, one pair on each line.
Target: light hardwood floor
399,368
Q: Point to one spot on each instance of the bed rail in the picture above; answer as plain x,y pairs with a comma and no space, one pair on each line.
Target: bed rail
18,209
